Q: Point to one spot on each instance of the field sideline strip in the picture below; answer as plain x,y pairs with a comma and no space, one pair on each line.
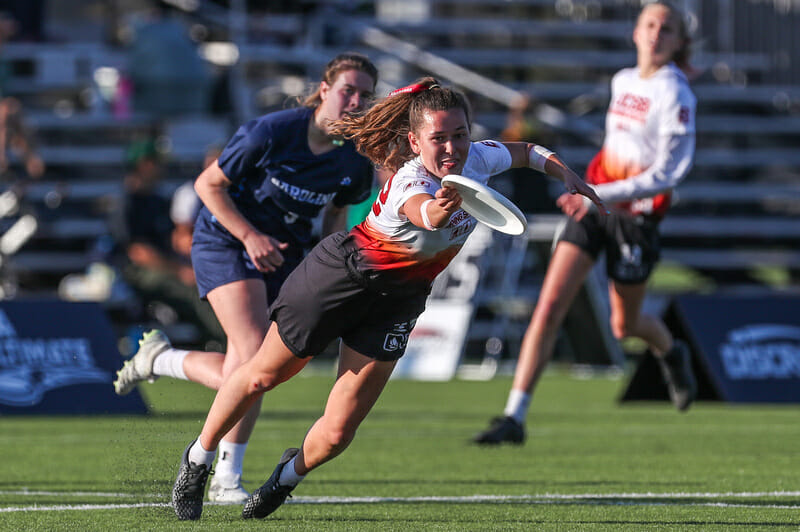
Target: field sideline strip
434,498
621,499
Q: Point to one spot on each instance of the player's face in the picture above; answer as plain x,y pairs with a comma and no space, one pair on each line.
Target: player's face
442,141
657,35
349,93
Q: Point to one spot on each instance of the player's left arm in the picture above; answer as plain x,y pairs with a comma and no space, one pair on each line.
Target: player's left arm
528,155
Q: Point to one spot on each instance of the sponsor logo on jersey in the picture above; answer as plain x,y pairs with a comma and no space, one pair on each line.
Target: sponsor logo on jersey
490,143
762,351
631,106
463,230
416,183
457,218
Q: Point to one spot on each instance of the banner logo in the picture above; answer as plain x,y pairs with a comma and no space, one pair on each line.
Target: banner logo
30,367
763,351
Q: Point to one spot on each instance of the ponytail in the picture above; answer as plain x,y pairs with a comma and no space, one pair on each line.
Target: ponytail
381,133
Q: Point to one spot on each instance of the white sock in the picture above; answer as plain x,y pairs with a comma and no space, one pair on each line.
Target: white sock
517,405
170,364
198,455
229,465
289,476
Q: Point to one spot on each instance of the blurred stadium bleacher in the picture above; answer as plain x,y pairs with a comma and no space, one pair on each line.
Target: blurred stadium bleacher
736,219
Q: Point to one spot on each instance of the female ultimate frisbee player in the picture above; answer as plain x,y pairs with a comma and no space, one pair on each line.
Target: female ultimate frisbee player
647,151
275,175
366,286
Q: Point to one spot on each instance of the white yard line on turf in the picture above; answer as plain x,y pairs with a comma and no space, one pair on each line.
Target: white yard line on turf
71,493
447,498
627,499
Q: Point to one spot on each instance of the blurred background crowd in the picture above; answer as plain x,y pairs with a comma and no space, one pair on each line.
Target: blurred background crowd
110,108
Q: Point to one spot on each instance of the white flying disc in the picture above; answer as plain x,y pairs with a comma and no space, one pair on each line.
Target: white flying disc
487,205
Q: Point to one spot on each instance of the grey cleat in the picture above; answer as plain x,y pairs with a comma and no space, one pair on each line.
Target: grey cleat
140,367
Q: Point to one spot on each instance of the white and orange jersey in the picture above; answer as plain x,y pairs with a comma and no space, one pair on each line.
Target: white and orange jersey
649,143
388,242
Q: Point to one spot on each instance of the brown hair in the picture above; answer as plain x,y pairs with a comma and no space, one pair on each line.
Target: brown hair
381,133
681,56
342,63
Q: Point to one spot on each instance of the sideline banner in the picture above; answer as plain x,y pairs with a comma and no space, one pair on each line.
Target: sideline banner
744,348
436,343
59,357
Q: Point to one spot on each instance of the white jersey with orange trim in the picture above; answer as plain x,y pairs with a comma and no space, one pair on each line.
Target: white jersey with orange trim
389,242
650,139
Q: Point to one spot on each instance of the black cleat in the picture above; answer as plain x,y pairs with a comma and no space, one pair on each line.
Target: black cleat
501,430
676,366
187,493
271,495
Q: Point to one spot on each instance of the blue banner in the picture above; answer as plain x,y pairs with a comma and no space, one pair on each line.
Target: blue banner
744,348
59,357
749,345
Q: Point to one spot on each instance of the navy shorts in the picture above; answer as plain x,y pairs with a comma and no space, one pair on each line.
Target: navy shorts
631,243
220,258
326,298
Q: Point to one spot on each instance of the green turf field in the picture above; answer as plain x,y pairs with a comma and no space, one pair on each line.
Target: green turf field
589,463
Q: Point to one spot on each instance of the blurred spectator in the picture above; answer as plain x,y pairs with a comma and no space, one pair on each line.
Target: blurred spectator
15,136
168,74
158,265
521,126
183,211
530,195
29,18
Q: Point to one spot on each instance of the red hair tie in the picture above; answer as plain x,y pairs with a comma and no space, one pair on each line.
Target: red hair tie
410,89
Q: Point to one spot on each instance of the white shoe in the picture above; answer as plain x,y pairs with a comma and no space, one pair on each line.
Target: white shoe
140,366
225,495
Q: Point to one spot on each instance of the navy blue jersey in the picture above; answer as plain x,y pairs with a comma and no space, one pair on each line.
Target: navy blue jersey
279,185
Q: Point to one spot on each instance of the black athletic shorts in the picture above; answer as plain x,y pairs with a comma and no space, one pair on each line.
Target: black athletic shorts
326,298
631,243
